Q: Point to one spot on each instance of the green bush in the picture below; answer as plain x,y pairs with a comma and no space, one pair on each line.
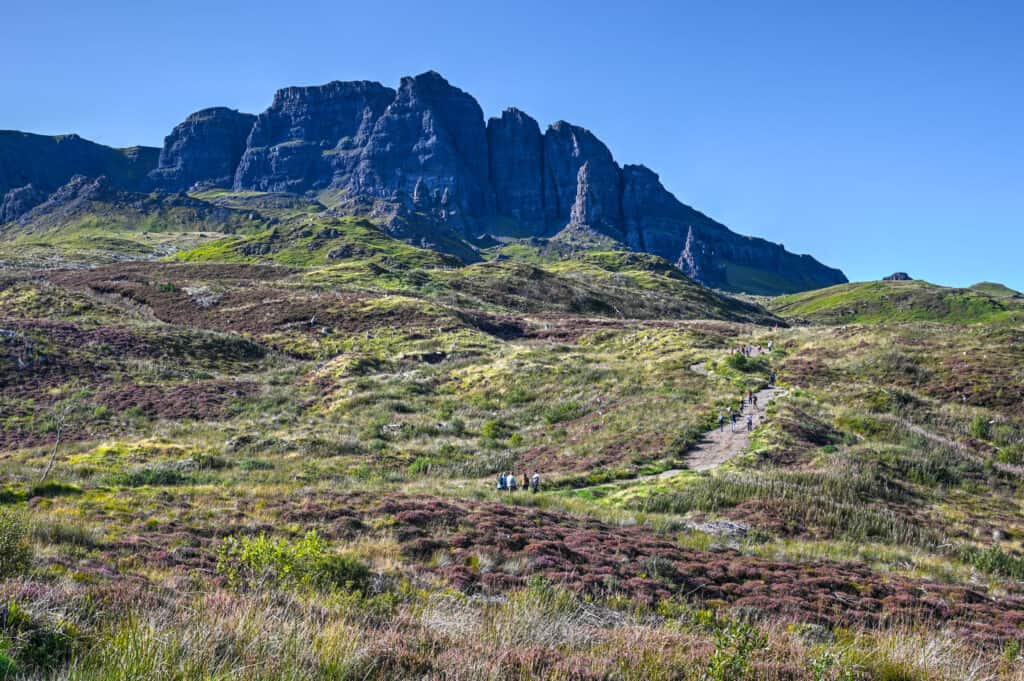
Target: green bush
735,644
255,465
33,643
995,561
15,548
980,427
54,489
740,362
1013,454
495,429
565,411
155,475
420,466
252,563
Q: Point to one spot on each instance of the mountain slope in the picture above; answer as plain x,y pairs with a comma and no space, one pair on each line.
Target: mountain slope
422,161
894,301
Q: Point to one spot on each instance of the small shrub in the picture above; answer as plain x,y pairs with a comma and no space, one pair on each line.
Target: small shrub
37,644
420,466
15,548
258,562
980,427
735,644
255,465
995,561
565,411
1012,454
154,475
54,489
495,429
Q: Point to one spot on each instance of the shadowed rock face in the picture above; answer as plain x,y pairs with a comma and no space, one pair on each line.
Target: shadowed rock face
19,201
33,166
517,170
566,148
428,150
421,158
205,148
309,134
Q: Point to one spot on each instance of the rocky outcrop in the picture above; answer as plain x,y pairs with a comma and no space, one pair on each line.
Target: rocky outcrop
428,150
19,201
421,161
516,156
566,148
898,276
48,162
309,135
590,209
204,149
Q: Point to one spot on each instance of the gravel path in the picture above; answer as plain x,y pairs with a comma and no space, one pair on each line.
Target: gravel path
720,445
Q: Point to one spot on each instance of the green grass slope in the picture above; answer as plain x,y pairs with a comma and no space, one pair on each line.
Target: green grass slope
896,301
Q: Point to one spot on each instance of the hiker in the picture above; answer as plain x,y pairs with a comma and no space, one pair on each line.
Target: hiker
721,421
771,379
750,396
750,422
771,344
732,421
501,481
535,482
755,401
511,482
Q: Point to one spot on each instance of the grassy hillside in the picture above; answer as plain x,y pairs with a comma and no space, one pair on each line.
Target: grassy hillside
898,301
273,454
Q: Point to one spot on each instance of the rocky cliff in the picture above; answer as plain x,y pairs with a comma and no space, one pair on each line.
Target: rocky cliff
34,166
423,159
204,149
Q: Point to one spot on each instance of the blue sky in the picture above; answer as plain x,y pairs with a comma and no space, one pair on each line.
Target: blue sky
878,136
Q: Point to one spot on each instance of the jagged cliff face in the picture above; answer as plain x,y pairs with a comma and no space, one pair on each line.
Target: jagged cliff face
34,166
423,157
205,149
309,135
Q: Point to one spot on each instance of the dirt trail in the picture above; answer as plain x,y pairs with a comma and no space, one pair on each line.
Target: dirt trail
721,444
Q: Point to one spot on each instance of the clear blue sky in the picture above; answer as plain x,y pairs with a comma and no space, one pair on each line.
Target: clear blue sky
879,136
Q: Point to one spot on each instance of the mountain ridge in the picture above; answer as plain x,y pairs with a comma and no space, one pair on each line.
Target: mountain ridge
425,161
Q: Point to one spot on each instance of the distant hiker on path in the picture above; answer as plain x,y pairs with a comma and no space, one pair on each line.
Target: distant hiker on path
535,483
771,379
732,421
754,400
721,422
750,422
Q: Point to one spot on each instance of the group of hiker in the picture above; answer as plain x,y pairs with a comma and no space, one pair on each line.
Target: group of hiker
751,350
733,416
507,482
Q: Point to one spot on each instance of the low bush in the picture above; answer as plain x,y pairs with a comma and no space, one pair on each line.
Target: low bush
152,475
566,411
36,644
54,489
15,547
253,563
